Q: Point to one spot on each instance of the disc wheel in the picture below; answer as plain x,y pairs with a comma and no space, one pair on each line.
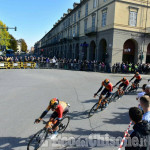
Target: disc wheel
37,140
94,109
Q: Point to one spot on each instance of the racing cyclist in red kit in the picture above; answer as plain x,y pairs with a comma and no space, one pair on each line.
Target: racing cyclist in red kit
124,83
59,108
107,91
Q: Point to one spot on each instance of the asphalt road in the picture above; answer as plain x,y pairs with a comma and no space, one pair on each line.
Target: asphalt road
25,94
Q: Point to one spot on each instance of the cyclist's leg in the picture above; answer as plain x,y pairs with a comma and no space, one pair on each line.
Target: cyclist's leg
102,95
105,101
136,81
121,85
120,90
52,120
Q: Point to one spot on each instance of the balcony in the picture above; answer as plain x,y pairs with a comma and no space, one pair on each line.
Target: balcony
91,31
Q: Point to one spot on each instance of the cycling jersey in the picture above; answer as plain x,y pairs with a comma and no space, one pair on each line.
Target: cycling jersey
125,82
60,108
138,77
108,87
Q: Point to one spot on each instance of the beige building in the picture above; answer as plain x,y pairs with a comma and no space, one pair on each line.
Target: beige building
108,31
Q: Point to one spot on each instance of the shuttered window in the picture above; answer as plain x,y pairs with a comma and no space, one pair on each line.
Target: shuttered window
133,19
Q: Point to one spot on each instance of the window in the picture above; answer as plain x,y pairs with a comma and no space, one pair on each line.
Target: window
94,3
74,31
75,17
72,19
68,21
70,32
85,25
133,18
79,14
93,22
104,17
78,28
86,9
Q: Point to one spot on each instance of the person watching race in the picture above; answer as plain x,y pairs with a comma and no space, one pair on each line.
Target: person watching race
59,108
138,78
124,84
107,91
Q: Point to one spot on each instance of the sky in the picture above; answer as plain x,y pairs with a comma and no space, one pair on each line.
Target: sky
33,18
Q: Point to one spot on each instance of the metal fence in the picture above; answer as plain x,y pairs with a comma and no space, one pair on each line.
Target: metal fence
73,66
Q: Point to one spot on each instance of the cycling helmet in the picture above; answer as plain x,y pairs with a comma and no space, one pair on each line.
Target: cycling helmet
106,81
137,73
124,79
54,102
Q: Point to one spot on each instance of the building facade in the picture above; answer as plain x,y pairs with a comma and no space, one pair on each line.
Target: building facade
108,31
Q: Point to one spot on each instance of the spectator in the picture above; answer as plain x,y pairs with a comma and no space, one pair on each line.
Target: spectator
147,90
145,104
141,93
141,132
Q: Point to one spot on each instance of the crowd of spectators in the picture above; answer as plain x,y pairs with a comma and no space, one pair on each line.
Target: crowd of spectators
139,138
130,67
18,59
86,65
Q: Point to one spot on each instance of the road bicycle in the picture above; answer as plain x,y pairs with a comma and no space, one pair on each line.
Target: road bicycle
98,106
133,88
119,93
39,138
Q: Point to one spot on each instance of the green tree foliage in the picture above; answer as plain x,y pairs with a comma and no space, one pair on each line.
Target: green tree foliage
4,35
23,45
13,43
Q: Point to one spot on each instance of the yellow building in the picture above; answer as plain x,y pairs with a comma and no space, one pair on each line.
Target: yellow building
108,31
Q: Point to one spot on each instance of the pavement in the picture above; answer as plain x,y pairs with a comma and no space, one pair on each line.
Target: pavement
25,94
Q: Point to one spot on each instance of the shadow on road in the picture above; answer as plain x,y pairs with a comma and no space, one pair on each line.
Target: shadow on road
119,118
91,101
10,143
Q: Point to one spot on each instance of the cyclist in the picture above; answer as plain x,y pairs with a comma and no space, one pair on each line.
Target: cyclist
107,91
124,84
59,108
138,78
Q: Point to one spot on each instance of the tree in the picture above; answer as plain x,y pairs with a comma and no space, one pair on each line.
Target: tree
23,45
4,35
13,43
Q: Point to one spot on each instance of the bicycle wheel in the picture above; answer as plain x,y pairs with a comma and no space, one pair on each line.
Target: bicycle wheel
37,140
115,96
136,88
63,124
128,90
94,109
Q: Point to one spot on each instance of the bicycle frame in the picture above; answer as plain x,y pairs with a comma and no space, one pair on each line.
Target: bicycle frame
100,101
120,91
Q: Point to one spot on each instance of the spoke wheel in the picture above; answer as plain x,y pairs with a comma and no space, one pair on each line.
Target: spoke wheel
94,110
115,96
128,90
37,140
63,124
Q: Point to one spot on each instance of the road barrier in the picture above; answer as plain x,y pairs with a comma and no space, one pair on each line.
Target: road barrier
17,65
